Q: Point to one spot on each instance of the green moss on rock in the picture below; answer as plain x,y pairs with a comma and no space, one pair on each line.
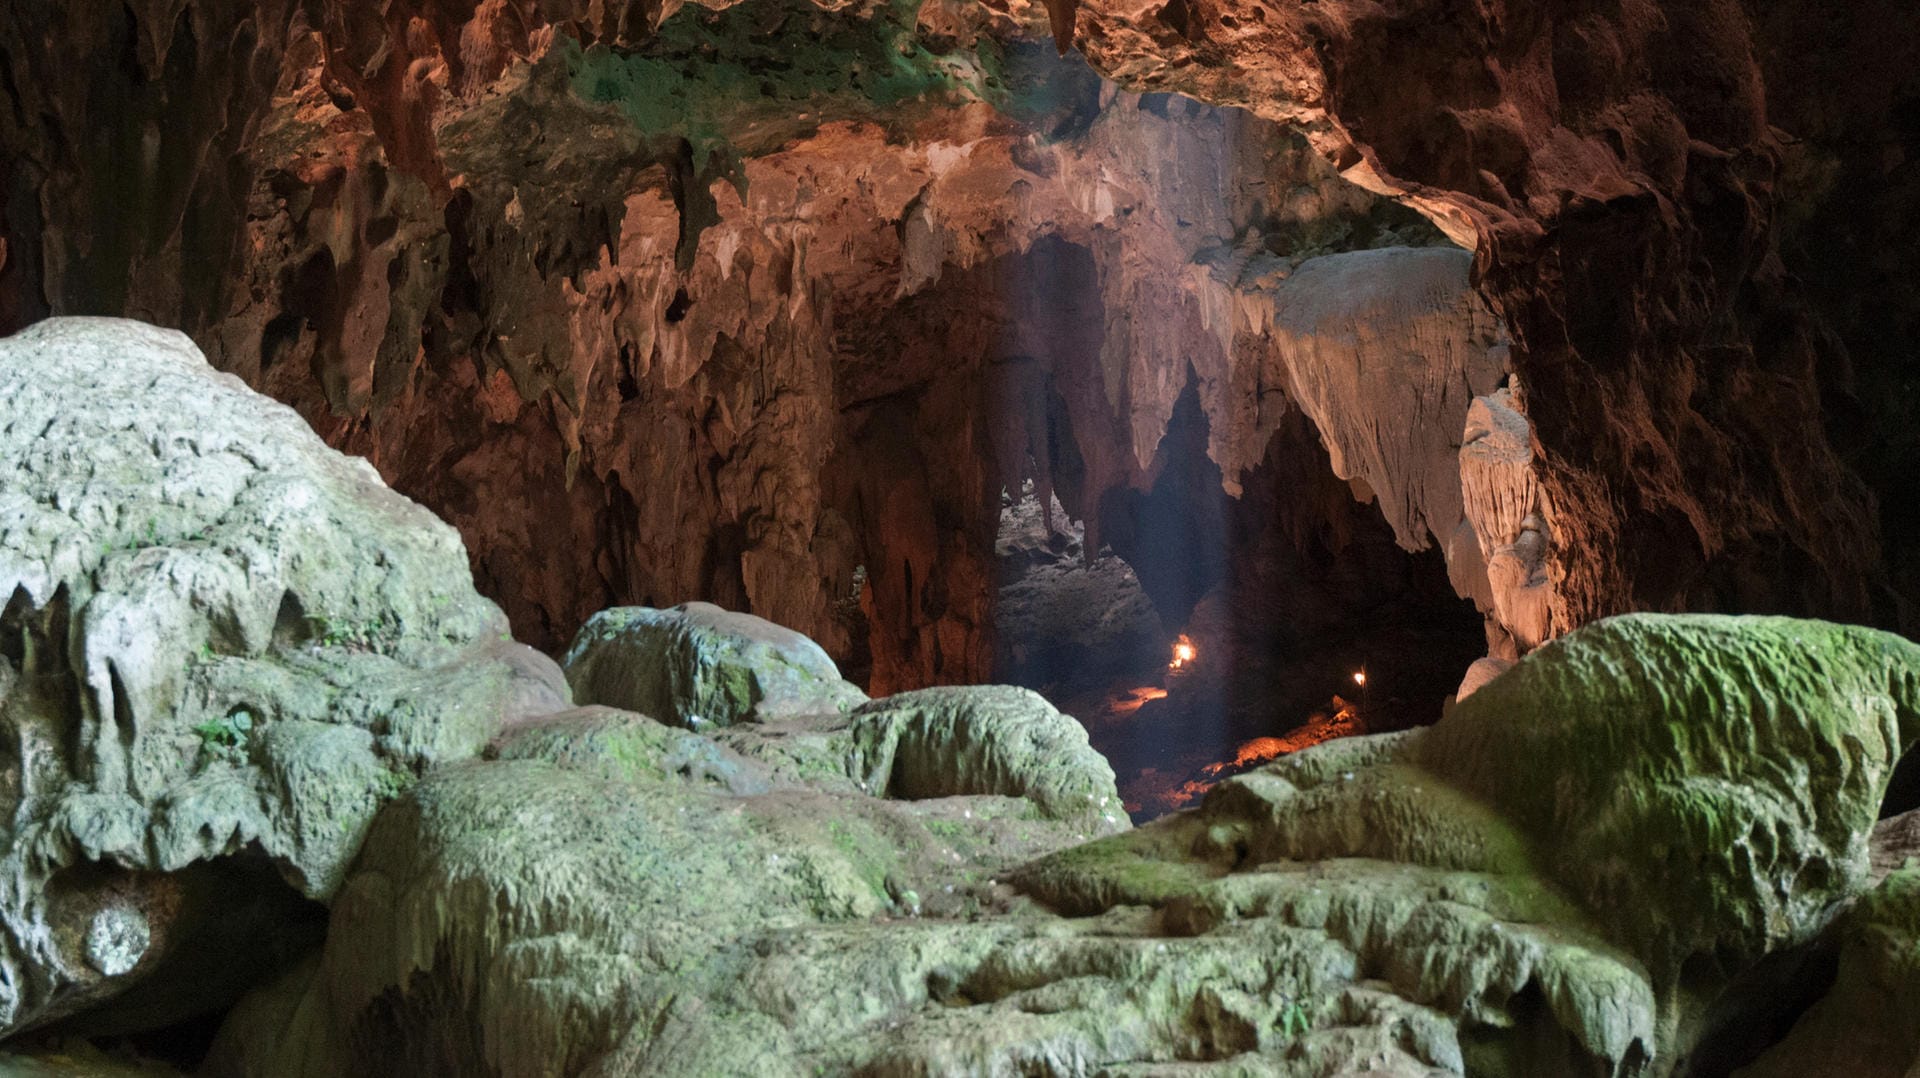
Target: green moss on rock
989,739
699,666
751,77
225,640
1704,785
604,896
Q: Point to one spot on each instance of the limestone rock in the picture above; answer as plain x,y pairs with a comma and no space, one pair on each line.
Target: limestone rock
1623,784
1064,615
1385,350
221,641
1705,785
612,893
645,330
1481,672
697,665
1507,517
1675,483
1864,1024
990,739
609,895
1895,842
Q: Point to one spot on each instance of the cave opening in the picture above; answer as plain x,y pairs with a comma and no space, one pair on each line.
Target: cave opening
1229,400
1211,633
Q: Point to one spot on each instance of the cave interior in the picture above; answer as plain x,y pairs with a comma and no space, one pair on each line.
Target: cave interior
1414,504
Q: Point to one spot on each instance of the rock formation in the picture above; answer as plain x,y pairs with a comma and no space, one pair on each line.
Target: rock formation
1617,176
1415,901
1599,862
677,320
1065,616
704,664
224,648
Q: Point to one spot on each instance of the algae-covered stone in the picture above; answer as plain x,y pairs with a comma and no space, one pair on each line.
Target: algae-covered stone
1865,1024
697,666
1705,785
1672,798
987,739
220,639
606,888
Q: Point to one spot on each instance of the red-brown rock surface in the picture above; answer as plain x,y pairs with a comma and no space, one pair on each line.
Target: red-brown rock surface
774,293
1615,167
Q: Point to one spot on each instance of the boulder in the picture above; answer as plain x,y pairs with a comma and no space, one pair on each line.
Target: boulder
1705,785
698,666
1864,1024
222,647
608,894
985,739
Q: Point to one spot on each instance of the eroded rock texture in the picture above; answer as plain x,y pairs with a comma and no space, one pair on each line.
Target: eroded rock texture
756,305
1616,170
657,304
224,647
613,895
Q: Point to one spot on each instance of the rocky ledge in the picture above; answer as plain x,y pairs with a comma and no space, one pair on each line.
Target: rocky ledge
267,757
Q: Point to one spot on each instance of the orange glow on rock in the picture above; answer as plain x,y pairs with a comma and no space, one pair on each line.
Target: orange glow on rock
1133,699
1183,653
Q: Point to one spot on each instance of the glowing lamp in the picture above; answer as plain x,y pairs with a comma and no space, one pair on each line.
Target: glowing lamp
1360,678
1183,653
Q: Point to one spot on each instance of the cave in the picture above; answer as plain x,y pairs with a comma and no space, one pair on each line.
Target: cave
552,537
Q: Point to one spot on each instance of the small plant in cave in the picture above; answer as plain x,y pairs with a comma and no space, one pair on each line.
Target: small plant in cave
340,632
225,738
1294,1021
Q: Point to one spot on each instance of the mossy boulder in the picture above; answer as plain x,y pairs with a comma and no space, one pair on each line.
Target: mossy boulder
219,640
1705,785
1865,1024
699,666
1673,799
602,876
984,739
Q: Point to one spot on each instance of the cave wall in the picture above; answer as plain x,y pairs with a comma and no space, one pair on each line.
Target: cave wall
691,318
1618,170
657,304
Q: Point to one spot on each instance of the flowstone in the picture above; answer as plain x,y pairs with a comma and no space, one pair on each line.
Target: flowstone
609,895
699,666
221,642
1864,1025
